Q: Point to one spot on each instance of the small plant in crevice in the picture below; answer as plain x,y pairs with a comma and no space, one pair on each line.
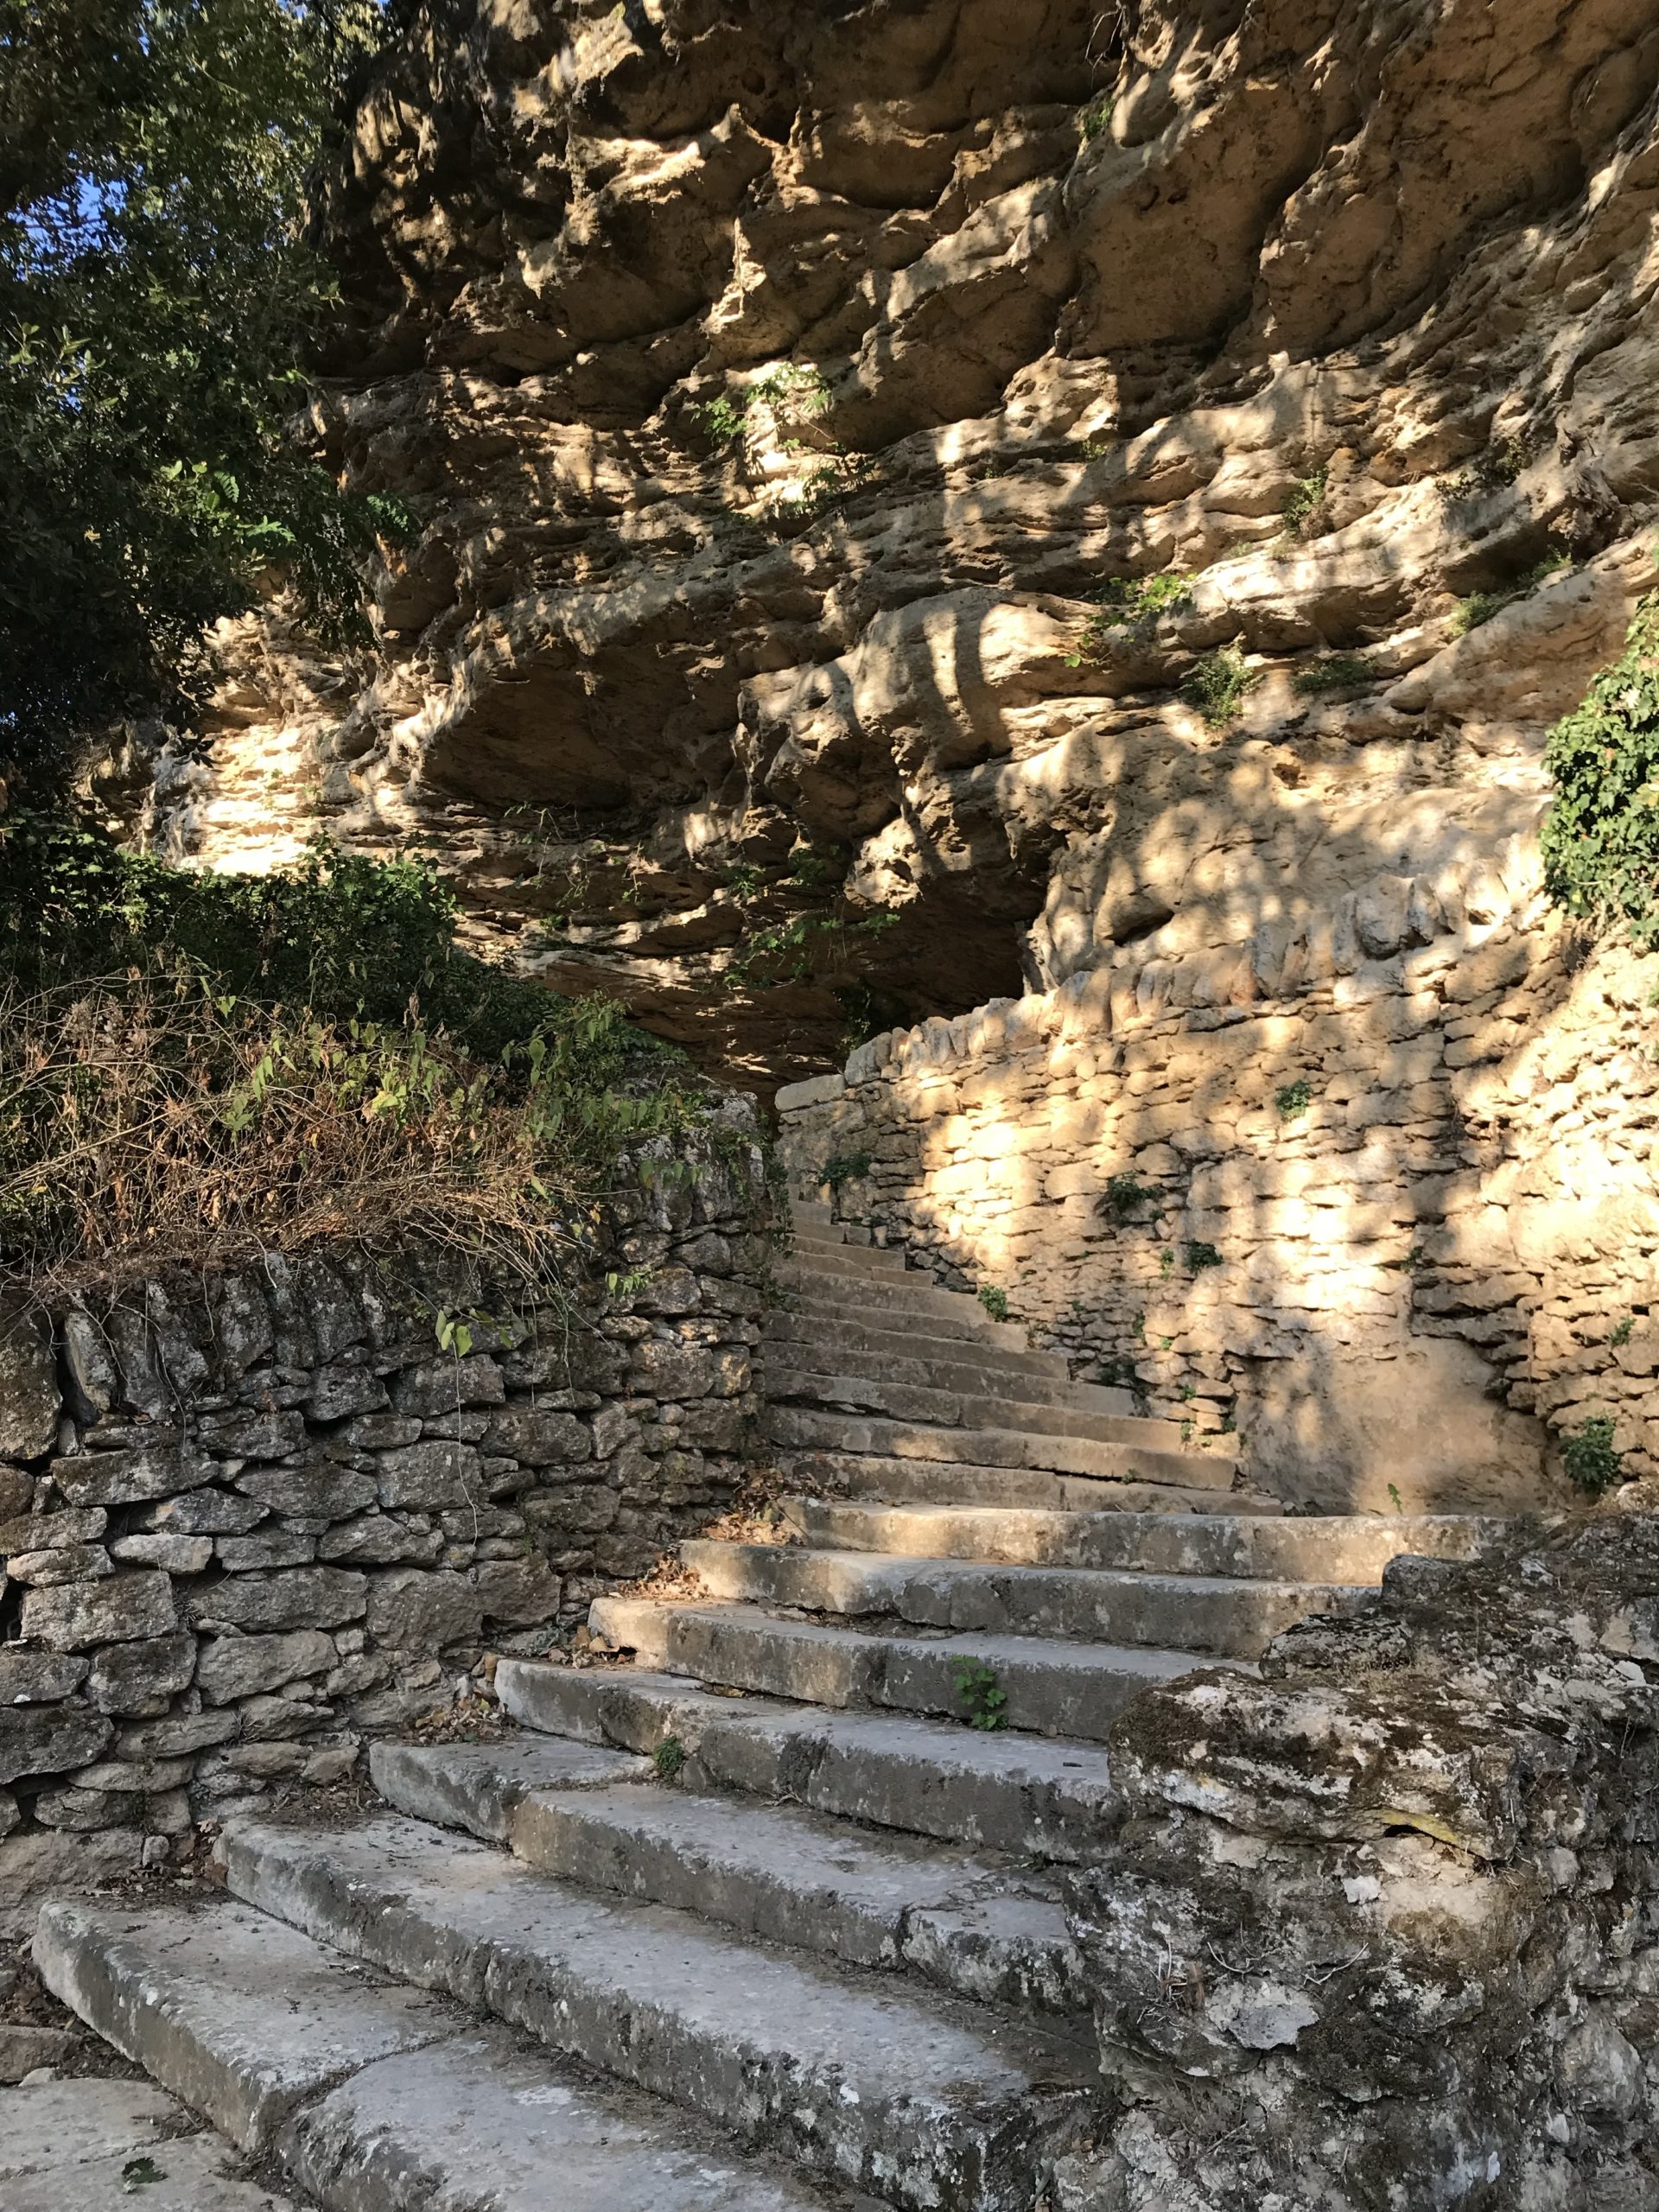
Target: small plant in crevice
1592,1462
1303,502
1292,1100
1336,672
1622,1334
1096,116
994,1301
1125,1196
1138,1324
1130,602
1117,1374
1394,1498
845,1167
669,1758
1218,686
1198,1257
1480,606
984,1701
1167,1260
1186,1432
1500,465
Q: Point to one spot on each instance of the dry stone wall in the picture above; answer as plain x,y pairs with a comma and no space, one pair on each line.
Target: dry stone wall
1379,1198
248,1522
1379,1932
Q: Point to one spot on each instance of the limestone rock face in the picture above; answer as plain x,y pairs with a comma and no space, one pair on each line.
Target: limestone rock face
777,390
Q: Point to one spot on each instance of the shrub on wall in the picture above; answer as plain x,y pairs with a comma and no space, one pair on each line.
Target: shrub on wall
1600,839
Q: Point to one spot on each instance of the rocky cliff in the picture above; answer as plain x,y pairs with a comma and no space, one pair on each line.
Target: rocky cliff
797,404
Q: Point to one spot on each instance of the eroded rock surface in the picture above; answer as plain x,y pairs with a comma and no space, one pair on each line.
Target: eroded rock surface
778,388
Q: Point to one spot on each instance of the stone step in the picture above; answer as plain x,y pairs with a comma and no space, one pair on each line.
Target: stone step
1053,1687
373,2097
1340,1548
786,2050
815,1247
774,1872
811,1213
1074,1409
989,1792
906,1297
960,1371
855,1475
807,1429
1174,1612
857,1342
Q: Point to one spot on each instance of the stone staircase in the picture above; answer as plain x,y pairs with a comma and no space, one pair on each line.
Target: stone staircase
770,1919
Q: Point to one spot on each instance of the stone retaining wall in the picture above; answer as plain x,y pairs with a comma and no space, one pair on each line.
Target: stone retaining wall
1380,1198
1379,1932
248,1521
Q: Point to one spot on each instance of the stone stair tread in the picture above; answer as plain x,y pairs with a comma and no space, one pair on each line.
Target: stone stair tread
809,1428
779,1872
910,1295
790,2050
1006,1792
1294,1548
376,2098
819,1336
969,1375
1054,1686
1217,1613
1109,1423
884,1480
479,1787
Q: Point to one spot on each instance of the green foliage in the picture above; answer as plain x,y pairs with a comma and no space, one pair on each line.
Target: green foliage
1589,1458
157,297
1622,1334
141,2173
1166,1261
1600,838
1294,1100
1499,465
1198,1257
1138,1324
807,947
1337,672
845,1168
1481,606
1125,1196
722,418
669,1758
1096,116
994,1301
984,1700
1304,501
1131,602
1218,686
1118,1373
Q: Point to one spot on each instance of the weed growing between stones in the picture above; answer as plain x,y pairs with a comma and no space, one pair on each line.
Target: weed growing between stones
1096,116
1293,1101
1198,1257
668,1758
1125,1196
1218,686
1622,1334
994,1301
845,1168
1130,602
1590,1459
983,1699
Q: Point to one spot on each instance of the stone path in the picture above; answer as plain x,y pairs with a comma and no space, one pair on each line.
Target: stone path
768,1919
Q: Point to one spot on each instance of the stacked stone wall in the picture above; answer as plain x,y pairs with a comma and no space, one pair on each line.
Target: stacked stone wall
1381,1199
249,1522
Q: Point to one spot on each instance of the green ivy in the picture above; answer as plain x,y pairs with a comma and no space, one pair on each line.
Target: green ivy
1600,838
1590,1459
1218,686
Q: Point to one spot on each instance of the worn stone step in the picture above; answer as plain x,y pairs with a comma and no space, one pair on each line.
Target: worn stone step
811,1213
854,1475
1345,1548
1183,1613
1078,1410
373,2097
1052,1687
962,1374
857,1341
814,1249
907,1297
989,1792
789,2051
810,1428
775,1871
